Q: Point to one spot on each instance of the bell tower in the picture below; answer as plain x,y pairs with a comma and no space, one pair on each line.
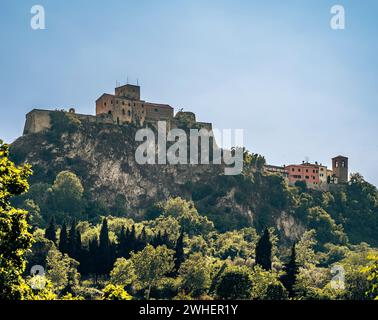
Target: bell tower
340,168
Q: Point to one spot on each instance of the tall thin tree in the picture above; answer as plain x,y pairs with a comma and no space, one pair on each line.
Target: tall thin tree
133,239
264,251
291,269
92,265
72,240
50,232
157,240
121,248
63,239
104,250
179,252
141,240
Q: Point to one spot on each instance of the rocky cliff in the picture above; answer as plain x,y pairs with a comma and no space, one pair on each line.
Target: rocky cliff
103,157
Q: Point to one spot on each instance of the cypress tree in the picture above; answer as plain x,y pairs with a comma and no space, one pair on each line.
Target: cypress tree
156,241
104,249
50,232
92,265
112,255
72,240
121,250
128,243
124,248
132,239
179,252
127,234
143,236
63,239
291,269
142,240
264,251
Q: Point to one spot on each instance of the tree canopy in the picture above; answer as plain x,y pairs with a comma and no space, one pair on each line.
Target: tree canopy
14,236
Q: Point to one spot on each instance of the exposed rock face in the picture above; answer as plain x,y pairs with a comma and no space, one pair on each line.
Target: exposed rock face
289,227
103,156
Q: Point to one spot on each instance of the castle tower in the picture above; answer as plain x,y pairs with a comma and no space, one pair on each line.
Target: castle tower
340,168
125,107
128,91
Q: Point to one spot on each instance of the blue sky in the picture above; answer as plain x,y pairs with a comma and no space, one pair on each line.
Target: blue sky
273,68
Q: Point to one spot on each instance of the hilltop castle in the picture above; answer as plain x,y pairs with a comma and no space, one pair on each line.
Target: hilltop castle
125,106
121,108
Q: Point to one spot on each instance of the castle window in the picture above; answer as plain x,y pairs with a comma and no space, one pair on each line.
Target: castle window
129,113
123,103
336,164
105,104
117,120
123,111
109,112
343,164
156,110
307,177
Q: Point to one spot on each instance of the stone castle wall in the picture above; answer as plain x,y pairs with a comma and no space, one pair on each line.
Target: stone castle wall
39,120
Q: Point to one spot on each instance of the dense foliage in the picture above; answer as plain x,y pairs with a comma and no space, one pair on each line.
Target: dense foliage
188,248
14,236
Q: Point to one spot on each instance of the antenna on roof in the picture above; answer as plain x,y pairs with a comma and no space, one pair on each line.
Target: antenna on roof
137,82
127,79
